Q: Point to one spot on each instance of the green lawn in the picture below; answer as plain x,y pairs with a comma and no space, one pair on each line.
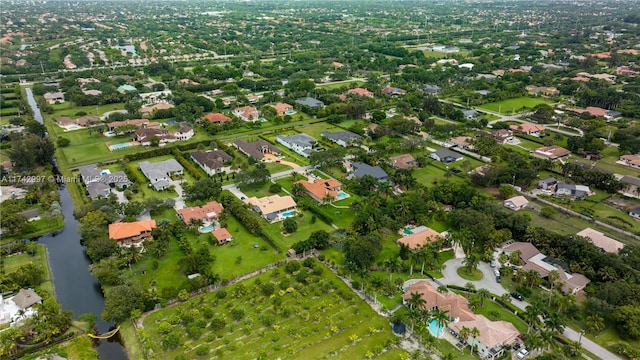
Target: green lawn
258,190
301,320
305,227
515,105
346,84
472,276
79,348
493,311
67,109
226,263
314,130
14,262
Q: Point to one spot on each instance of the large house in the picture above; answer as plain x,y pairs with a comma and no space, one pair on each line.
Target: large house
419,238
217,118
212,161
131,233
358,169
446,156
576,191
150,110
19,306
300,143
547,183
256,149
542,90
516,203
82,121
342,138
631,186
528,128
161,172
247,113
635,213
630,160
389,90
360,92
208,212
322,190
273,208
145,136
99,183
502,136
54,97
139,123
543,264
283,109
602,241
553,153
404,161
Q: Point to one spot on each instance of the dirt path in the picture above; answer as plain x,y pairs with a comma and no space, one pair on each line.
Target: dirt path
273,158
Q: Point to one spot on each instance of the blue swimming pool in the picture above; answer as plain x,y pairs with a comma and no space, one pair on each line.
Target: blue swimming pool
434,328
206,229
120,146
407,230
288,214
514,142
342,195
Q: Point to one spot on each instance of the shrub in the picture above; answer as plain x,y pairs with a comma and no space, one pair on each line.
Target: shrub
170,341
217,324
202,350
275,188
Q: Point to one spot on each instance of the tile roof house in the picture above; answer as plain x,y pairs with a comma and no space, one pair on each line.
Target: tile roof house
446,156
516,203
456,305
635,212
631,186
83,121
360,92
542,90
272,207
300,143
419,238
256,149
502,136
630,160
432,89
393,91
217,118
528,128
140,123
322,190
247,113
542,264
553,152
404,161
212,161
99,183
150,110
26,298
310,102
161,172
132,233
469,114
359,169
222,235
144,136
602,241
494,335
342,138
463,142
207,213
126,88
54,97
283,109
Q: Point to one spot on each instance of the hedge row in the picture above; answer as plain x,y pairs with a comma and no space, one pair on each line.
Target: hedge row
188,165
132,172
305,205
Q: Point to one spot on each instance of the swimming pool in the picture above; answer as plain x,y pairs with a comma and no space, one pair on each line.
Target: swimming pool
109,133
514,142
206,229
408,230
120,146
105,172
342,195
434,328
288,214
73,127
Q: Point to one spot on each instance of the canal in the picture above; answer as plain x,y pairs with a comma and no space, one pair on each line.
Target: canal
76,289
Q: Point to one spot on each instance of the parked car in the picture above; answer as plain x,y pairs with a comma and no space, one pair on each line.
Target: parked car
516,295
498,280
493,263
522,354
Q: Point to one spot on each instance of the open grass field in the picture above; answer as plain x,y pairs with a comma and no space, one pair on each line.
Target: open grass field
69,110
14,262
515,105
306,225
337,85
607,338
253,251
314,130
78,348
493,311
273,315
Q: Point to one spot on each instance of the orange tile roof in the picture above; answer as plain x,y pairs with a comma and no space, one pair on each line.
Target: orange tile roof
527,127
123,230
492,333
319,189
282,108
209,210
361,92
216,117
455,304
418,240
221,234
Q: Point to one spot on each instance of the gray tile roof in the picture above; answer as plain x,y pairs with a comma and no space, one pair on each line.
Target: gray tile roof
346,136
256,149
362,169
310,102
213,159
156,172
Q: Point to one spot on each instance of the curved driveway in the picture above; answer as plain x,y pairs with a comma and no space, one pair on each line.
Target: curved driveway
488,281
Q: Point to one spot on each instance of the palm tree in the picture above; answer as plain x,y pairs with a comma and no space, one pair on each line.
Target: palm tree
465,332
533,341
391,264
327,199
471,263
441,317
416,301
555,321
474,334
532,315
483,294
547,338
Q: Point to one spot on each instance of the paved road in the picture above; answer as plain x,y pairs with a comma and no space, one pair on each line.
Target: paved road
450,276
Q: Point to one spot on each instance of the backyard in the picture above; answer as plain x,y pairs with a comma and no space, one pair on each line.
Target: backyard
286,313
515,105
13,262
